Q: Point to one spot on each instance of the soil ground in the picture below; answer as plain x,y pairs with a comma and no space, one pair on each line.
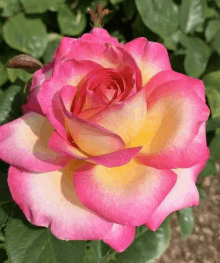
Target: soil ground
203,245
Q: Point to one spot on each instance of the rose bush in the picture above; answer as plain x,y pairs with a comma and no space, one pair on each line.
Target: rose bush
111,138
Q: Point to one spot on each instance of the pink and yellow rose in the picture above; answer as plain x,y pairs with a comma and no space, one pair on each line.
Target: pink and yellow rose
111,138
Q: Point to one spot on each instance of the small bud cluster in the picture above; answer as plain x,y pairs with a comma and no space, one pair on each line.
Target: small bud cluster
97,15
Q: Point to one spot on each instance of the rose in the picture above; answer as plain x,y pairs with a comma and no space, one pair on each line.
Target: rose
111,139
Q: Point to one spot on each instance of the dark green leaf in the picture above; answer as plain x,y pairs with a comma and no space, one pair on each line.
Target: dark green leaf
213,124
210,168
41,6
172,41
3,74
27,243
214,147
192,14
26,35
71,23
211,29
14,73
114,2
218,3
6,102
9,8
53,42
96,252
4,191
186,221
147,245
5,210
201,192
212,85
197,55
211,12
129,8
216,41
160,16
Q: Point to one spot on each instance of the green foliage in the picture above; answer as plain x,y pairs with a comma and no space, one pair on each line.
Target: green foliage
3,74
27,243
210,168
186,221
26,35
147,245
201,192
41,6
192,14
71,23
212,85
197,55
160,16
10,100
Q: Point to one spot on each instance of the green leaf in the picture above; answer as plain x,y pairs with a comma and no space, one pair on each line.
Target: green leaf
218,3
213,124
197,55
96,252
211,12
3,74
14,73
216,41
160,16
147,245
26,35
9,7
202,194
129,9
53,42
214,147
210,168
71,23
172,41
186,221
27,243
115,2
211,29
212,85
4,190
41,6
5,210
3,3
192,14
6,102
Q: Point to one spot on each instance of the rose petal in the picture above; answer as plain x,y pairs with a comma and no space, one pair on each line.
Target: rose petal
66,44
49,200
151,57
127,194
120,237
184,194
91,138
117,158
24,144
100,35
168,75
69,72
105,54
38,78
175,114
126,118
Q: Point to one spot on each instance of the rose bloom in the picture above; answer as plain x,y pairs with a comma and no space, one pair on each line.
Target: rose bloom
111,138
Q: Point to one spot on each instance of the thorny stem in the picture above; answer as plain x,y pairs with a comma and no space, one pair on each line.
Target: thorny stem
98,14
